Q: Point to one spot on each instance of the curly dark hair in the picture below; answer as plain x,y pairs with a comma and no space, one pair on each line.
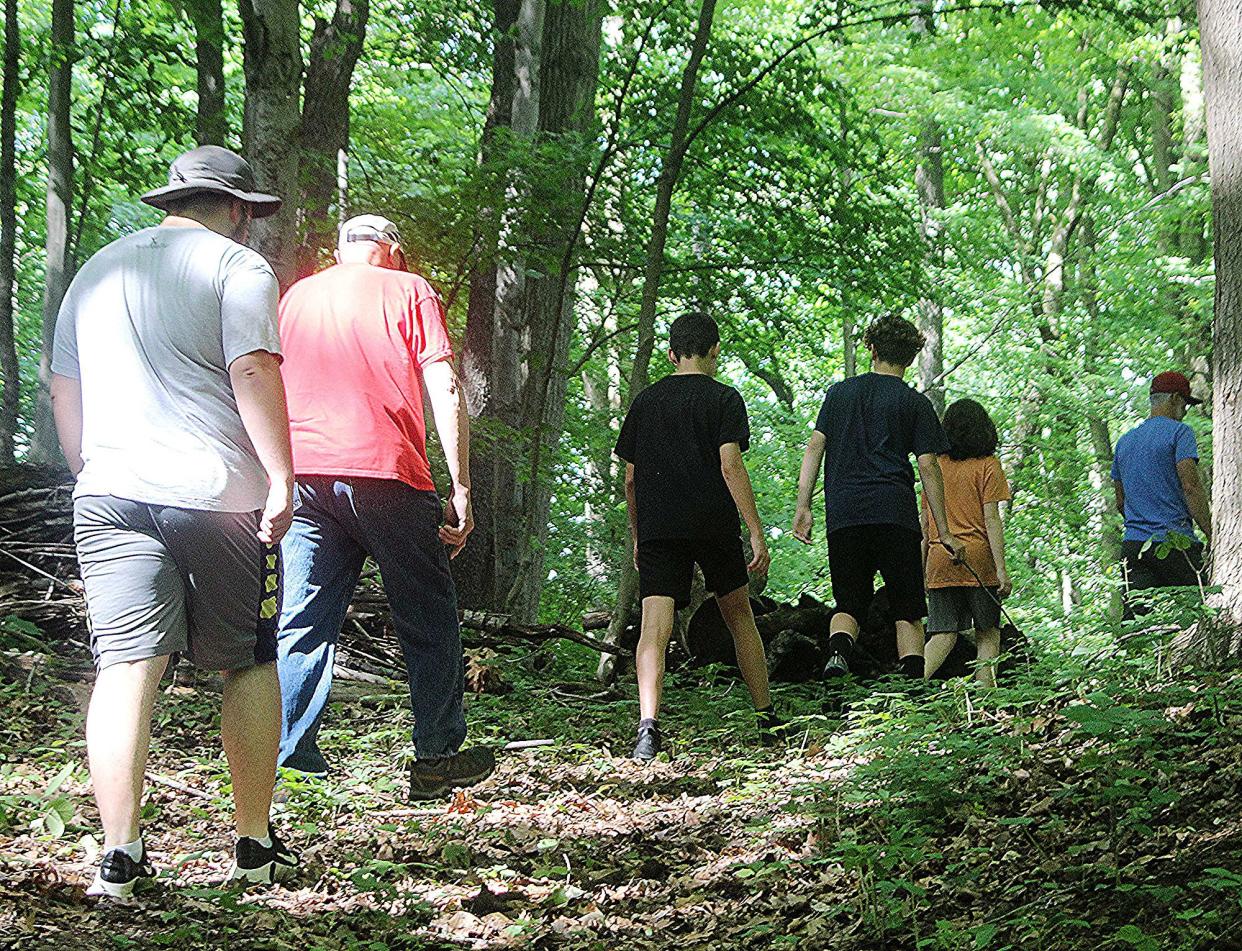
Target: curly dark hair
971,432
894,339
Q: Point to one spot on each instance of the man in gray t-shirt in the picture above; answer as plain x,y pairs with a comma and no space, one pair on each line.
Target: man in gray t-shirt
170,407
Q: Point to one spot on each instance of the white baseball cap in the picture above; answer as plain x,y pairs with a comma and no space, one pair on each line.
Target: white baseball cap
368,228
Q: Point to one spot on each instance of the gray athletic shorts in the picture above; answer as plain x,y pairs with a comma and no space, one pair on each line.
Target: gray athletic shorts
961,609
162,580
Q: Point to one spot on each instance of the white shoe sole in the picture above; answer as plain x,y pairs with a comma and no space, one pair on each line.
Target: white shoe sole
267,874
101,889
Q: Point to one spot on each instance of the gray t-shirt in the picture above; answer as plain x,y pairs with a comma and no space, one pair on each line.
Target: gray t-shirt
150,326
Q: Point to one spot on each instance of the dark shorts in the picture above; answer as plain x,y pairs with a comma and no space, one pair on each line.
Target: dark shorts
1146,569
666,567
857,552
950,610
162,580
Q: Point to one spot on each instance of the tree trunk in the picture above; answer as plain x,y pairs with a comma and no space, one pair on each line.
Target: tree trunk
211,122
273,66
10,370
490,355
568,80
929,178
44,446
653,270
1220,31
670,172
335,47
929,181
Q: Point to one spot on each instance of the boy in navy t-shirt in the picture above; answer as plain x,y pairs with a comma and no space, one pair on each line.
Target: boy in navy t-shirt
1159,491
868,428
682,442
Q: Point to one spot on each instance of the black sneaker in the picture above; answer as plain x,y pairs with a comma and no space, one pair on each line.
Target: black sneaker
837,666
436,778
118,874
254,862
649,745
771,727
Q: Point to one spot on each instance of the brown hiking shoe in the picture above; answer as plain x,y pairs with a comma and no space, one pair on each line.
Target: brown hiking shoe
436,778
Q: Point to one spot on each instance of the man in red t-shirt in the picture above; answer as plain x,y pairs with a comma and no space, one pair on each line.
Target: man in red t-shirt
363,342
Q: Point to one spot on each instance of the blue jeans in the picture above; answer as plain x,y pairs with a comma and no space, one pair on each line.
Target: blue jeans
337,522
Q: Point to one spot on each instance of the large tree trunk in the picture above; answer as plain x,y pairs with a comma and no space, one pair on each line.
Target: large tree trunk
653,271
211,121
44,447
273,67
10,370
569,77
491,361
1220,30
335,47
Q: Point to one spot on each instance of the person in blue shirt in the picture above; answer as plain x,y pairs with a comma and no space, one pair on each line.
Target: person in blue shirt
1159,491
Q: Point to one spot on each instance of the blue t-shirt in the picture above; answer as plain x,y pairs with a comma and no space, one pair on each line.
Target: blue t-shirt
1145,463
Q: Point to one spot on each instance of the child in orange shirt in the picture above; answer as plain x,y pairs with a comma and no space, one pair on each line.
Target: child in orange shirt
974,487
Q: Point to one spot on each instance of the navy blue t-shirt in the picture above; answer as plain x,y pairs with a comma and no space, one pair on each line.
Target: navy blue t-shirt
1145,463
872,424
672,435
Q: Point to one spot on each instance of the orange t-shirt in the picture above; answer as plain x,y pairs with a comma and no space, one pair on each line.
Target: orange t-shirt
968,485
355,339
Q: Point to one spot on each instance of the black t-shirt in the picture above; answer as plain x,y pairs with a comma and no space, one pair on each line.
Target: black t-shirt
872,424
672,435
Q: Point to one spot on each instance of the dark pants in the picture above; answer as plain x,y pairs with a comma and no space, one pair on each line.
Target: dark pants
337,522
1177,569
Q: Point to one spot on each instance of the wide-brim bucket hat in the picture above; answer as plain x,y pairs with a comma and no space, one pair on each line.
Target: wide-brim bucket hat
210,168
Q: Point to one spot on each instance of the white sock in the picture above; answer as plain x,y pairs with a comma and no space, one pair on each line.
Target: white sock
265,842
132,849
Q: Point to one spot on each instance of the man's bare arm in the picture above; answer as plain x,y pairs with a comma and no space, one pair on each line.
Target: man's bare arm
1120,493
808,476
260,393
448,406
733,468
67,409
1196,496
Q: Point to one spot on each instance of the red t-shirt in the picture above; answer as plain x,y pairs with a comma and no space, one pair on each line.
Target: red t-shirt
355,338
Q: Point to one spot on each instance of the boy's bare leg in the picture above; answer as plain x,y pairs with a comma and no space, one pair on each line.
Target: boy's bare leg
939,647
118,739
740,619
250,730
657,628
909,638
843,623
988,647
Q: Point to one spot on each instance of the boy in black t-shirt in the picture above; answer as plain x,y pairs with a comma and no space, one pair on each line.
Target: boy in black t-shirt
868,428
685,480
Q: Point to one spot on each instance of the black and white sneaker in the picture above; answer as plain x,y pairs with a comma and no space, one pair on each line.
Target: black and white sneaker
650,743
437,778
255,862
837,666
118,874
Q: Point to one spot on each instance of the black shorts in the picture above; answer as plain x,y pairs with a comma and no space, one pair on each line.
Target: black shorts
666,567
956,609
857,552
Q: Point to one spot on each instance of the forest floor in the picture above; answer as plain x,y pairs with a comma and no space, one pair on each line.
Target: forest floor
1096,802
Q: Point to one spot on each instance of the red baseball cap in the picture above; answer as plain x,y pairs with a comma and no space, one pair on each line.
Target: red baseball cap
1173,382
